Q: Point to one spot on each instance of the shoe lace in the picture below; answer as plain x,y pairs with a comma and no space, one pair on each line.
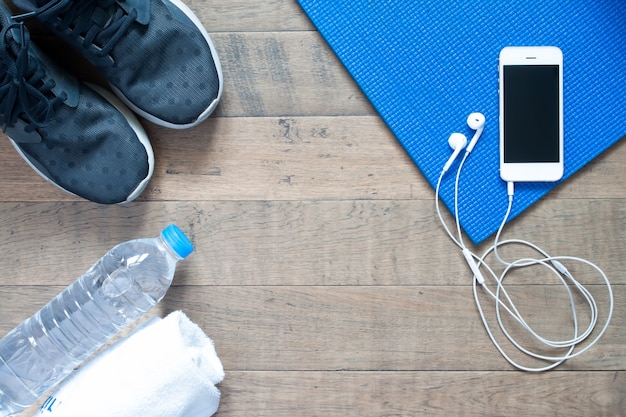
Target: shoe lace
23,91
101,23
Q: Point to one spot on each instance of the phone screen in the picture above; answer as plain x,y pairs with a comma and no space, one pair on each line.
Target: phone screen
531,113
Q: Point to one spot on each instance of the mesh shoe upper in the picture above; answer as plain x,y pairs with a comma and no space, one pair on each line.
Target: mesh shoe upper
154,53
70,134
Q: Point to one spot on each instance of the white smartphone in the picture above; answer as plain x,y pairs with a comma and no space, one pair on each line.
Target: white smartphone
531,113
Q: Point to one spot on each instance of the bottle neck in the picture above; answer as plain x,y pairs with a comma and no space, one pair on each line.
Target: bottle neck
170,251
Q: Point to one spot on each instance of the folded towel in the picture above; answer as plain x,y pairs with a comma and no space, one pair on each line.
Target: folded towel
167,368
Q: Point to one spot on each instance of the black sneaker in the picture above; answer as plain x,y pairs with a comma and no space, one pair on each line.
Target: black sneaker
155,54
79,138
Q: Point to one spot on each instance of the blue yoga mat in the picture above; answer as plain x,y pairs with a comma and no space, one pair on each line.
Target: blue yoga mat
425,65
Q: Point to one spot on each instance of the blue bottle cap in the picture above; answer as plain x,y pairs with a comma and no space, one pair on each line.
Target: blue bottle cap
177,240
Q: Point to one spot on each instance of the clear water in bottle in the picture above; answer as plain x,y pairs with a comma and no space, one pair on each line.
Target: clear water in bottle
119,288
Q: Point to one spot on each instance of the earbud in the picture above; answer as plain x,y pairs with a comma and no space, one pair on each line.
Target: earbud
475,121
457,142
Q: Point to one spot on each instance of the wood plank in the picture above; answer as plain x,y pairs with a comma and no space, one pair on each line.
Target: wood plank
337,328
296,243
376,328
290,159
285,158
279,394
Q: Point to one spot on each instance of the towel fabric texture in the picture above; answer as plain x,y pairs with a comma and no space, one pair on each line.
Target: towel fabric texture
427,64
166,368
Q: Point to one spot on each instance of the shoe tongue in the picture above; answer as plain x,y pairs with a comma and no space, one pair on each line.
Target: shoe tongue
64,83
142,7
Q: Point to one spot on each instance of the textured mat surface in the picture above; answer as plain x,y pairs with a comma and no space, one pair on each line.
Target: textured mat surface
426,64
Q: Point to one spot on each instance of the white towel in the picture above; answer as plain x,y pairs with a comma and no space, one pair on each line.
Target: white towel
167,368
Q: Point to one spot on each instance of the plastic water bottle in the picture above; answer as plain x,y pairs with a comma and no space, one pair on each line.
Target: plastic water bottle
119,288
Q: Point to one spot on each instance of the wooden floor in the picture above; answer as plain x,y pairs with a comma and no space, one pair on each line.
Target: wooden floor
320,269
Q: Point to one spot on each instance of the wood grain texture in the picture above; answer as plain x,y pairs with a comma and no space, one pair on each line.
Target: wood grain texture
414,394
320,270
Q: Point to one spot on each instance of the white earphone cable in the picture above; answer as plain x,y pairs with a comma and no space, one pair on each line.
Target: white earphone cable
504,302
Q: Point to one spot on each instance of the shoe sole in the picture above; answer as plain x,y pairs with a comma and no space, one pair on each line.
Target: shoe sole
134,124
207,112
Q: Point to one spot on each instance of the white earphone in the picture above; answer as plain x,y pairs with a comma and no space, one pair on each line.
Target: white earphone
457,141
